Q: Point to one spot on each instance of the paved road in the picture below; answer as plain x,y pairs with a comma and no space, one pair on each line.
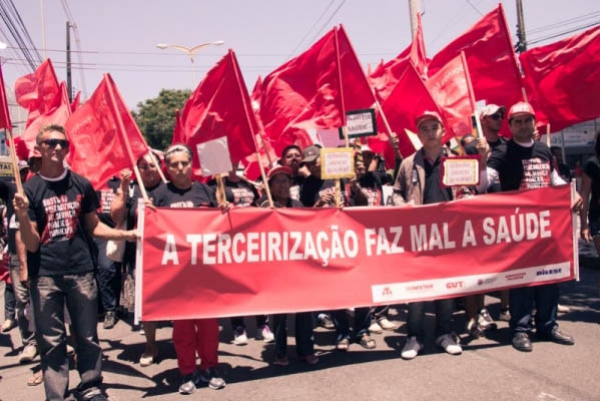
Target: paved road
488,368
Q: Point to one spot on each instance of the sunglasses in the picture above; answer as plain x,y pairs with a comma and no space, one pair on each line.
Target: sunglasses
52,143
497,116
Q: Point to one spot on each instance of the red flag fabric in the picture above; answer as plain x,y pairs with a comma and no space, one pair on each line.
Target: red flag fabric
104,136
4,114
386,76
409,99
220,107
564,77
491,60
37,91
75,102
452,91
178,134
56,112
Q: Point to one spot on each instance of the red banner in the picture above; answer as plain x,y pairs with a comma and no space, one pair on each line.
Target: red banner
203,263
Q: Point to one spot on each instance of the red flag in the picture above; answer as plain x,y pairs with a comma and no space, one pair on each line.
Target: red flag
490,57
178,135
564,77
75,102
37,91
4,114
409,99
104,136
220,108
451,89
386,76
57,112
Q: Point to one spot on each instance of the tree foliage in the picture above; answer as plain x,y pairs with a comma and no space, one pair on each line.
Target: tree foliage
156,117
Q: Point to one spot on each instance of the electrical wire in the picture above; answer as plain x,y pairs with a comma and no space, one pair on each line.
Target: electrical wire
310,29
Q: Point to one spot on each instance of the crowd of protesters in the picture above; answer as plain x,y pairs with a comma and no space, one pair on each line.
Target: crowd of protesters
60,229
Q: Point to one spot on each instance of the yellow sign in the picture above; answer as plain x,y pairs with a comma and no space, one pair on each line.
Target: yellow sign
337,163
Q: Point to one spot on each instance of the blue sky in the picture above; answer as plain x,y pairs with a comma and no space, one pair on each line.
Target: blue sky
120,36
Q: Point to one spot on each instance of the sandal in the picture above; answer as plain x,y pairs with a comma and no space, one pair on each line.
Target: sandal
367,342
310,359
35,379
342,345
282,361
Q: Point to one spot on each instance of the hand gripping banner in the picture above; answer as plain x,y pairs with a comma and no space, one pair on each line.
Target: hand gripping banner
200,263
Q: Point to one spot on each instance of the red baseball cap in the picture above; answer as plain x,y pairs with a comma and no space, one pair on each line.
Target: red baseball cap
428,115
279,170
521,108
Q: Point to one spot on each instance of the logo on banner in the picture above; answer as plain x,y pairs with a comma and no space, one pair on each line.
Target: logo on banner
486,281
387,292
515,276
455,284
420,287
548,272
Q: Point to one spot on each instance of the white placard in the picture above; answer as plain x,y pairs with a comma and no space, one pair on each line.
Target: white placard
214,157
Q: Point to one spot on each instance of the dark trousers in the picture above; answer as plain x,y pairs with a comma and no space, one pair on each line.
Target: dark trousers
9,302
109,278
49,295
362,321
238,321
304,334
444,308
522,302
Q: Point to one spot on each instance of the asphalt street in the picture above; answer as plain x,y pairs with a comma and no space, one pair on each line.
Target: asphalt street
489,368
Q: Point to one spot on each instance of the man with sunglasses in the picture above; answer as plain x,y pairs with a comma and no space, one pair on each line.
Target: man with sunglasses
57,216
492,117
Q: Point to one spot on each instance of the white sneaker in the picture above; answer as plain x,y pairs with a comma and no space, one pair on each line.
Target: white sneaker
239,336
28,354
447,343
8,325
385,324
265,334
375,328
411,348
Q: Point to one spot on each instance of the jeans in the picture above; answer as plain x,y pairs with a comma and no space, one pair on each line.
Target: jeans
109,278
22,299
521,304
444,308
304,334
9,302
79,292
362,321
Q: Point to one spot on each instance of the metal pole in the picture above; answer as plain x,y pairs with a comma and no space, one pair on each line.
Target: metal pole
43,21
69,87
522,44
414,7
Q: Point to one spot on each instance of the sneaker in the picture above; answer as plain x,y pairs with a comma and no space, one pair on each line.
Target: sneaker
324,320
213,380
563,309
448,344
375,328
485,321
411,348
239,336
110,319
504,315
8,325
188,384
474,330
28,354
93,394
265,334
385,324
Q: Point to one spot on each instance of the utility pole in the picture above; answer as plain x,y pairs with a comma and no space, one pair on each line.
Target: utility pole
414,7
521,45
69,88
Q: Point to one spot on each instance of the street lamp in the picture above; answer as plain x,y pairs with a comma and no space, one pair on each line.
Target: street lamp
190,51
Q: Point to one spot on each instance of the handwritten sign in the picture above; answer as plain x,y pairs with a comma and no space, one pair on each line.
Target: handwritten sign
337,163
360,123
460,171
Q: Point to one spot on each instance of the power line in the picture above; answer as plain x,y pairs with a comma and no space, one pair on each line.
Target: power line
314,38
531,42
564,22
310,30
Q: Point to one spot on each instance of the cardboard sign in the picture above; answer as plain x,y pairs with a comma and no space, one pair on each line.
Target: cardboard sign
214,156
337,163
460,171
360,123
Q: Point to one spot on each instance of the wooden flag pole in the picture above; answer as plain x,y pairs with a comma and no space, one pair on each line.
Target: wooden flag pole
158,165
221,196
14,161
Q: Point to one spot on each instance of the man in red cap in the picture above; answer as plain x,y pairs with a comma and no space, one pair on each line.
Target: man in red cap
523,163
418,183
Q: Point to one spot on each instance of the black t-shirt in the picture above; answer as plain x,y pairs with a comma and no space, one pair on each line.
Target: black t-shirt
7,193
106,197
290,203
434,192
131,202
197,195
313,188
521,167
240,193
592,169
58,208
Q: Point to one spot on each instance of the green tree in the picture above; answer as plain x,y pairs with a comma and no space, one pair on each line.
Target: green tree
156,117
